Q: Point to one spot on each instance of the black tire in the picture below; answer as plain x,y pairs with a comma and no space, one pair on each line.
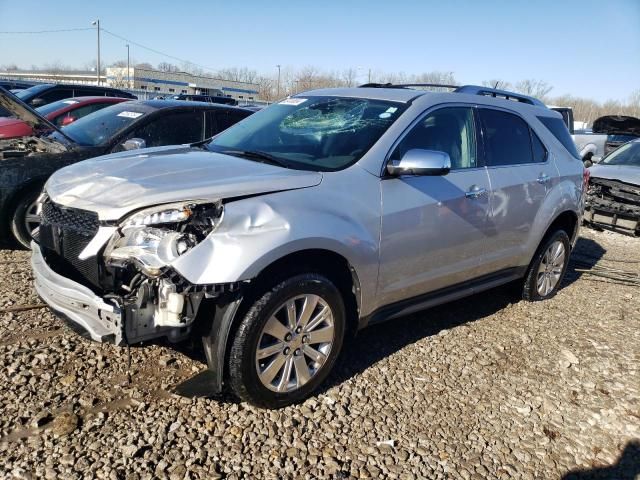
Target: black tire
21,207
243,374
530,291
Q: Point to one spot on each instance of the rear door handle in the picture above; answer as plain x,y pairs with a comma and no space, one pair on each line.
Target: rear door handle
543,178
475,192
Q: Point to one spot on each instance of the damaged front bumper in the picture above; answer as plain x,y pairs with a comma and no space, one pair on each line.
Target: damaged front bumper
77,303
613,204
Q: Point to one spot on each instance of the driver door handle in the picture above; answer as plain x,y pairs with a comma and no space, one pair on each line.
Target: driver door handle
475,192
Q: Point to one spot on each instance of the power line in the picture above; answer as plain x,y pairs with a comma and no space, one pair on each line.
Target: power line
158,52
46,31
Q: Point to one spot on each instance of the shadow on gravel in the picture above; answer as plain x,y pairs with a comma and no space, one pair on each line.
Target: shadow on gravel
626,468
585,255
379,341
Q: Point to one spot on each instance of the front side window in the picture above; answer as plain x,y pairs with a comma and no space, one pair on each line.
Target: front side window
312,133
450,130
507,140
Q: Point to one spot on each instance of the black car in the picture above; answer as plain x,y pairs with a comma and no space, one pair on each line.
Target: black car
26,163
619,129
46,93
205,98
15,84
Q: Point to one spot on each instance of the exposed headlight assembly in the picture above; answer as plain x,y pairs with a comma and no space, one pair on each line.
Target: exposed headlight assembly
154,237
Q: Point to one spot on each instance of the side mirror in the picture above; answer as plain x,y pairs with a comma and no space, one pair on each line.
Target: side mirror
67,120
420,162
134,144
38,102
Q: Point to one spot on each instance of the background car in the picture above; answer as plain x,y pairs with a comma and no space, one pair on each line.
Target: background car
60,113
205,98
26,163
613,198
46,93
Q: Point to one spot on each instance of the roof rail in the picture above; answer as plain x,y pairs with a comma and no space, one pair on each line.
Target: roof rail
494,92
406,85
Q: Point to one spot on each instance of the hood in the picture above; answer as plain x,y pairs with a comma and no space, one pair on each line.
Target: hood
617,125
621,173
24,112
116,185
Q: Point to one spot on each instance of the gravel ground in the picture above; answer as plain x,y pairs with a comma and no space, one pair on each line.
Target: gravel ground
481,388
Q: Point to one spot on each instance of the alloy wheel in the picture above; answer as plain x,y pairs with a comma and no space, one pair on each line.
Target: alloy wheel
550,269
295,342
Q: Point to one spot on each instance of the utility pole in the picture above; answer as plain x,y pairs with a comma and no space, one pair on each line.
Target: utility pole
369,76
278,81
97,23
128,74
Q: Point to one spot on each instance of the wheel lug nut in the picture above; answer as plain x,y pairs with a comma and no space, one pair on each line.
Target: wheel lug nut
287,337
305,339
287,350
297,352
299,329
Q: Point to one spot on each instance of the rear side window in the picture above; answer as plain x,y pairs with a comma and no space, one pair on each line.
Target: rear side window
507,139
559,130
224,119
172,129
539,150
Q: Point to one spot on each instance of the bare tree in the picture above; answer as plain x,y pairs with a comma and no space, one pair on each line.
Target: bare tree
534,88
349,77
499,84
119,64
167,67
144,65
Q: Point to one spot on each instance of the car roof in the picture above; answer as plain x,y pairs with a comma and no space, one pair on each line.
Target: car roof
97,98
403,95
171,103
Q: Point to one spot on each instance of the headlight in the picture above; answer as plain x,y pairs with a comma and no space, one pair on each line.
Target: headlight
174,213
150,248
154,237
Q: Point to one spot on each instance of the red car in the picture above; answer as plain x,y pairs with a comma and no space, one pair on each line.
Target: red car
60,113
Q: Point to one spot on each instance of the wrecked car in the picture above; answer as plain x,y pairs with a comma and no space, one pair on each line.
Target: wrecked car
27,162
608,133
613,197
313,218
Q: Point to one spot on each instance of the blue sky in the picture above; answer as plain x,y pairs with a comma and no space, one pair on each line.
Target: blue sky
585,48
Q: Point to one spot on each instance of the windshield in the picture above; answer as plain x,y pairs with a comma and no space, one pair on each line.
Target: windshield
31,92
52,107
101,126
627,154
311,133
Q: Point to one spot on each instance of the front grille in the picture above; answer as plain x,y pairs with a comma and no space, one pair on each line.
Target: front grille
81,221
64,233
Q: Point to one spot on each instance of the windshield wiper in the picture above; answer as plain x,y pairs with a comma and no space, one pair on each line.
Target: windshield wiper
257,155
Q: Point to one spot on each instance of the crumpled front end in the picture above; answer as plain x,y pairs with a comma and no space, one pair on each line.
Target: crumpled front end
115,281
613,204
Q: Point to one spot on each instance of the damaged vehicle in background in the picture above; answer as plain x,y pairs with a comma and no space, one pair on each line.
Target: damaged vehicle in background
27,162
607,134
613,197
313,218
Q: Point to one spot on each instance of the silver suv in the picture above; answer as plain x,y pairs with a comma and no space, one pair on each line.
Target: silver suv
315,217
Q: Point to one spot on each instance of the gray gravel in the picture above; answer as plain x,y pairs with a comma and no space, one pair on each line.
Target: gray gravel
482,388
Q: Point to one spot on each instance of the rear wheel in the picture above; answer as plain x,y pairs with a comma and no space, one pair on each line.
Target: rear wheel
548,267
25,218
288,341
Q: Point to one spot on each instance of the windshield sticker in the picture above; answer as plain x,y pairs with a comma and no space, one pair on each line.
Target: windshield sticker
130,114
293,101
392,110
70,102
384,115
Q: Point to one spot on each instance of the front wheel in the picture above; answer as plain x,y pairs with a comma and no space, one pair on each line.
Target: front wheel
25,217
547,268
288,341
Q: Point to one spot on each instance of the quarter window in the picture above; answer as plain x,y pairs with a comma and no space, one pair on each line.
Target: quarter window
539,150
507,139
450,130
